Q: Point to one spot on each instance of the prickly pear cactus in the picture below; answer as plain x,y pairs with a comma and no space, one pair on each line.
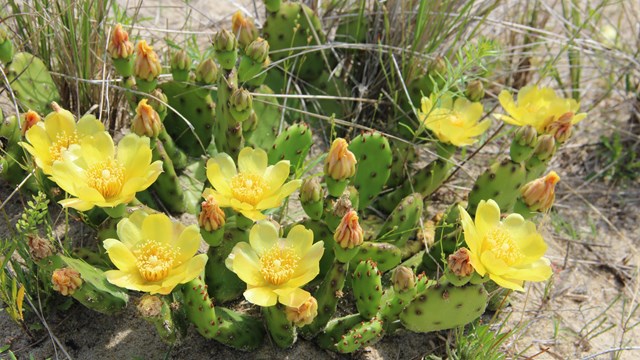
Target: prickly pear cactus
373,168
364,334
292,144
367,288
403,221
223,284
31,82
385,255
501,182
444,306
269,116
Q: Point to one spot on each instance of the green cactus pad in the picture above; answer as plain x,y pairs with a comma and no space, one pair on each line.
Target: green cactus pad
335,329
385,255
223,284
292,144
192,181
282,331
295,25
364,334
403,221
367,288
199,111
165,323
373,168
268,112
501,182
96,293
167,186
403,155
32,83
239,331
444,306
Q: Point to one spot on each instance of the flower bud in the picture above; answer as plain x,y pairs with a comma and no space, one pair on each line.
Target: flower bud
349,233
403,279
438,66
545,148
6,46
30,118
147,121
241,103
147,66
39,248
304,314
526,136
258,50
181,61
340,163
150,306
539,194
460,263
225,41
342,206
66,280
158,101
311,190
562,128
244,28
211,217
474,91
119,45
207,72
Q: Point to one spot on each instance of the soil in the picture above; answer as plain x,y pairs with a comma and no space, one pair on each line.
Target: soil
589,306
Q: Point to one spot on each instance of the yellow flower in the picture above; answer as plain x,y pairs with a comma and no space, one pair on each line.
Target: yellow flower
538,107
154,254
48,140
453,122
510,251
96,174
253,187
275,268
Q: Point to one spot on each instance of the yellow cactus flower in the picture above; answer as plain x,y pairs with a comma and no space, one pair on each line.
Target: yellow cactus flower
48,140
510,251
453,122
95,173
275,268
251,188
538,107
154,254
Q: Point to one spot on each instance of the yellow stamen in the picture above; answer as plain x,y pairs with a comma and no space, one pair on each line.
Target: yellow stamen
154,260
249,188
107,177
278,264
62,143
500,242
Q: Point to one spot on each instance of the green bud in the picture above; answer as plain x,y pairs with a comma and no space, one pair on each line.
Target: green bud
158,102
474,91
403,279
526,136
545,148
258,50
241,103
311,190
438,66
207,72
6,46
225,41
181,61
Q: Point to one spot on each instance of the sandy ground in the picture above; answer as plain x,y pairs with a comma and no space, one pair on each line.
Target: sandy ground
592,236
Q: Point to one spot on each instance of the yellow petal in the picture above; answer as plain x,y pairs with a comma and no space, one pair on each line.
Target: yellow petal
493,264
261,296
157,227
134,153
120,255
185,272
221,199
309,266
254,215
245,263
217,178
97,148
301,239
129,232
263,236
59,123
292,297
132,281
77,204
276,175
225,164
426,105
578,117
470,233
474,259
252,161
507,283
487,217
89,125
188,243
540,270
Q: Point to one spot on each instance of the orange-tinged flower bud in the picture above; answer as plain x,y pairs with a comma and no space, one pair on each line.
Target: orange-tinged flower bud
403,279
119,46
66,280
349,233
147,66
562,128
30,118
211,217
340,163
244,28
460,263
304,314
147,121
539,194
39,248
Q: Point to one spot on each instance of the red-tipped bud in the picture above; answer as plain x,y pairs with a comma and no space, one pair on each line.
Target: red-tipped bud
244,28
147,121
181,61
30,118
119,46
349,233
225,41
258,50
39,248
539,194
562,128
150,306
147,66
545,148
211,217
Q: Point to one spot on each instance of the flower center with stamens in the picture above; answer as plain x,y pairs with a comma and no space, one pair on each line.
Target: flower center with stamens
61,144
278,264
500,242
107,177
248,188
154,260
